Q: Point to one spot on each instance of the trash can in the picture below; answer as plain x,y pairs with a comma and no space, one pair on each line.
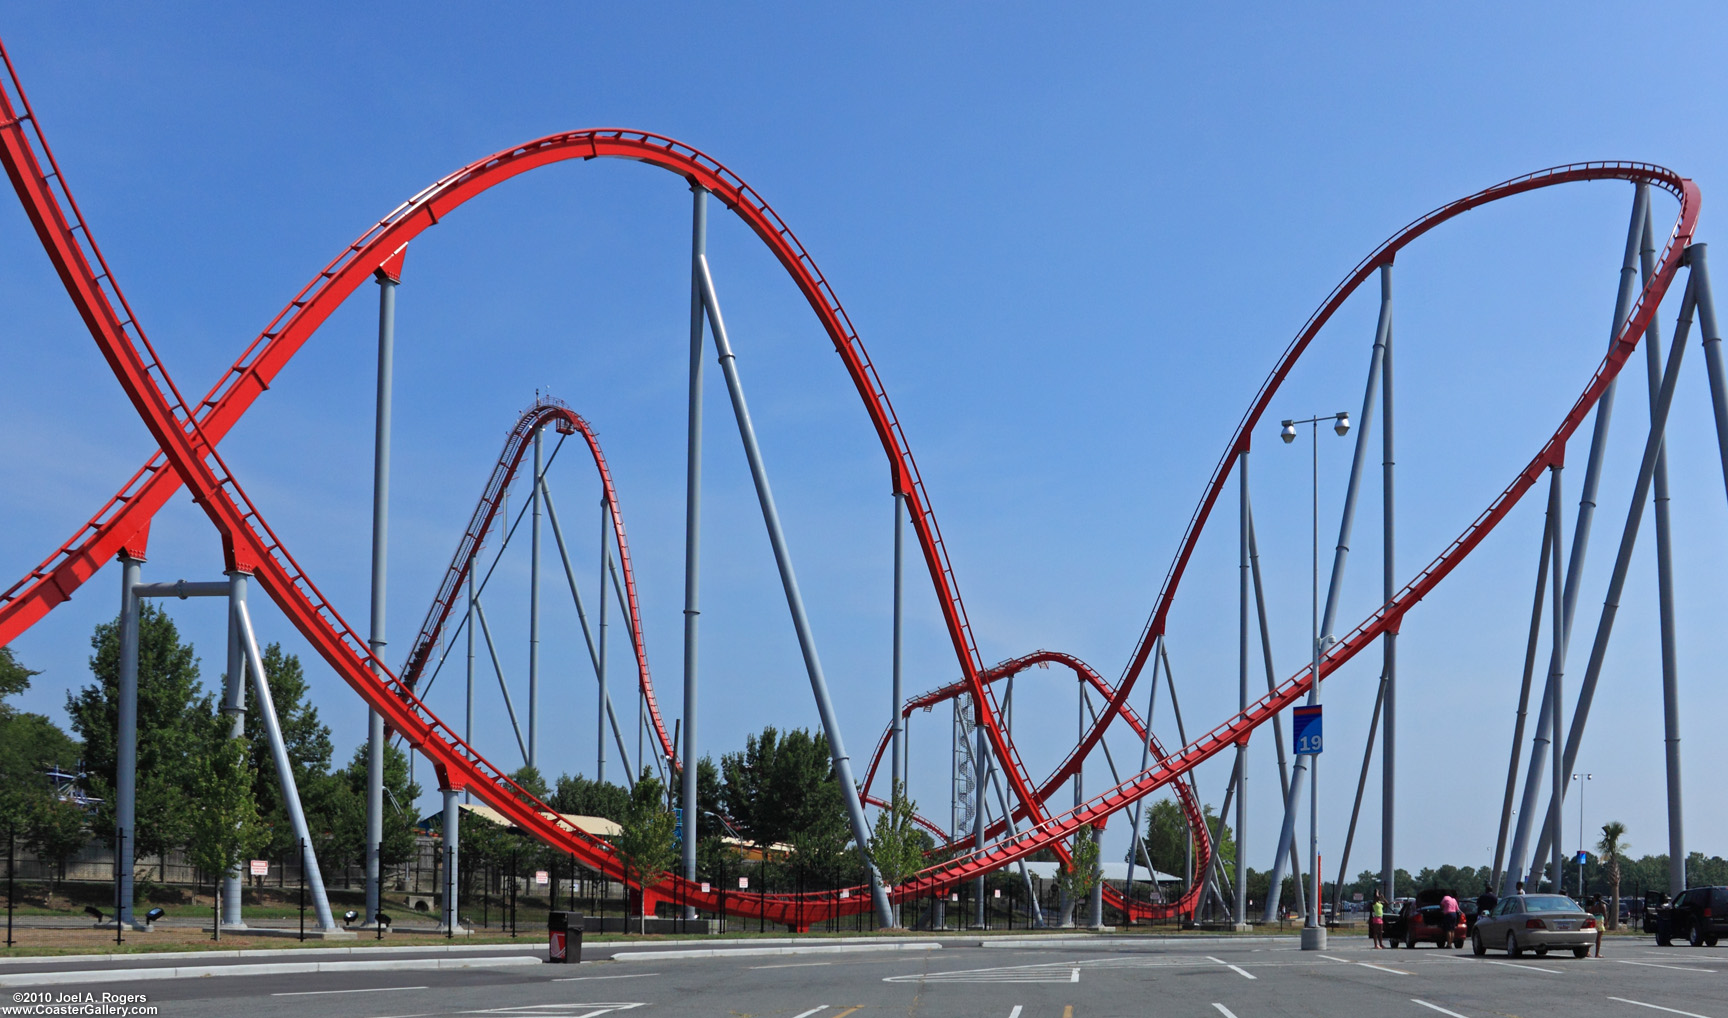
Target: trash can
564,937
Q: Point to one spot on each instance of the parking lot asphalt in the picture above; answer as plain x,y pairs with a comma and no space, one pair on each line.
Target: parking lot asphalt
1215,979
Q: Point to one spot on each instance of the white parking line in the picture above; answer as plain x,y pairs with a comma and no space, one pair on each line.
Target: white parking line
369,989
1659,1007
1328,957
807,1014
1437,1007
583,979
1515,965
1656,965
1226,1012
1244,973
792,965
1015,1013
1382,968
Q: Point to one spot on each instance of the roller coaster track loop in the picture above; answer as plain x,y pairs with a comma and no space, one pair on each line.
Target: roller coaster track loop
248,542
545,412
1084,672
188,436
1552,451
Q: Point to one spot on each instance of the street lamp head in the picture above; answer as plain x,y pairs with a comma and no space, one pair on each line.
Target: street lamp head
1289,433
1343,425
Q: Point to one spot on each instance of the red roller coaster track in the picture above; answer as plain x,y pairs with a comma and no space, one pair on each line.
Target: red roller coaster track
188,434
569,422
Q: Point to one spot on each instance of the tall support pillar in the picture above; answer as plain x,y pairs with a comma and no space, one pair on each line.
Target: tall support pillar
794,602
1547,721
897,749
468,716
380,546
234,711
284,769
981,769
534,612
451,915
1388,587
1243,584
126,739
1712,337
603,703
693,521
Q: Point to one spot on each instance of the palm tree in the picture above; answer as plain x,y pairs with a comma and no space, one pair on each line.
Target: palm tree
1611,848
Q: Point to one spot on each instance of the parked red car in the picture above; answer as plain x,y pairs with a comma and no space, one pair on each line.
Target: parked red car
1422,924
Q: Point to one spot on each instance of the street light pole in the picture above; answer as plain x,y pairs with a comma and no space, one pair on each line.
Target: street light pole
1313,932
1581,779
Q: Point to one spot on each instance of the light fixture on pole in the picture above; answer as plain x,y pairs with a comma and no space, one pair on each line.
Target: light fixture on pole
1582,848
1313,933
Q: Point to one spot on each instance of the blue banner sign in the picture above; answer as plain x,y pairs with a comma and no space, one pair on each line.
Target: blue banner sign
1308,730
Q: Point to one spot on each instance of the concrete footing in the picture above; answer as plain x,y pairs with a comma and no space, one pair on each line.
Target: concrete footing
1313,938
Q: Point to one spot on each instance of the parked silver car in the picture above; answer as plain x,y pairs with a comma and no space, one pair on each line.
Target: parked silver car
1538,922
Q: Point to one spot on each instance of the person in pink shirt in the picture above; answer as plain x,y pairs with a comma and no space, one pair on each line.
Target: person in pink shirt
1449,916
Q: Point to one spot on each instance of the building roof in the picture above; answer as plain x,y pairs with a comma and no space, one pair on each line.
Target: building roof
598,827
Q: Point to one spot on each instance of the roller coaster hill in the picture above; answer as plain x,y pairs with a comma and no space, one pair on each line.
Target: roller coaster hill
1002,812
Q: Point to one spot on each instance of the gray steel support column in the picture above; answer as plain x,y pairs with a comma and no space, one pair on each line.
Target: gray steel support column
380,549
600,707
980,758
452,916
1271,687
234,710
1145,760
1361,787
1244,581
1712,341
1653,447
897,750
588,637
1523,705
1664,548
794,602
534,612
126,740
1547,723
468,717
284,769
492,649
693,522
1036,911
1388,588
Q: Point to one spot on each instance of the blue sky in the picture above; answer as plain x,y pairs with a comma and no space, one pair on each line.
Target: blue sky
1073,242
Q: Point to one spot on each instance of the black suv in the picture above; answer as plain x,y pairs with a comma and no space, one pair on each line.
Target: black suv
1697,915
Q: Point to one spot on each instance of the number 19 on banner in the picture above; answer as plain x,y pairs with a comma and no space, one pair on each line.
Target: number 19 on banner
1308,730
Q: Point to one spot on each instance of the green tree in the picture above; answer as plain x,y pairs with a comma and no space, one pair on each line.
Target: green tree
774,788
55,830
224,827
29,745
896,844
1167,836
584,797
528,778
175,717
309,749
1612,847
1081,873
400,794
644,846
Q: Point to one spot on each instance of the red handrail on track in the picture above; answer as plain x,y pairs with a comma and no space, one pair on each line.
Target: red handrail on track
188,436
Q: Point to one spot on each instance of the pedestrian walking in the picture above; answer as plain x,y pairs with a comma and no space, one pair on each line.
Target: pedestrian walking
1377,920
1597,908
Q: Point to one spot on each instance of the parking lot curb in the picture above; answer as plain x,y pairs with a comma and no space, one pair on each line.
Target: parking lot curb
127,975
763,952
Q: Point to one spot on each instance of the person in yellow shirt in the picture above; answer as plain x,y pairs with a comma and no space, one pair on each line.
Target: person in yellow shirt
1377,920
